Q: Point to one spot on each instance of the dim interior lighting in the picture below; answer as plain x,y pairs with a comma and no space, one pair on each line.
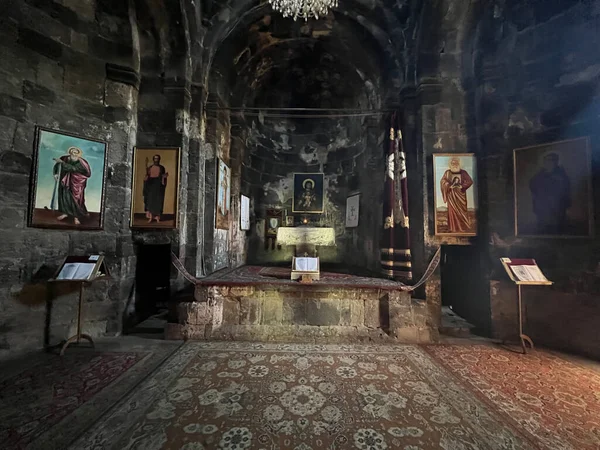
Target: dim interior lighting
303,8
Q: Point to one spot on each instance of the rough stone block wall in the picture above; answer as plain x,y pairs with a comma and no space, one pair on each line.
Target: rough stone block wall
53,58
565,321
272,313
536,82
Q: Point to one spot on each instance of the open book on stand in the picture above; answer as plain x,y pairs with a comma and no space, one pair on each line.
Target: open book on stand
524,271
82,268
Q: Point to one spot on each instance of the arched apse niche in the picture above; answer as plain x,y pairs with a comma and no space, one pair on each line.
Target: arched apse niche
258,63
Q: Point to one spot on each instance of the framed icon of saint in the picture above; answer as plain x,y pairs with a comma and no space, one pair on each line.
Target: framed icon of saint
308,193
455,178
68,181
155,191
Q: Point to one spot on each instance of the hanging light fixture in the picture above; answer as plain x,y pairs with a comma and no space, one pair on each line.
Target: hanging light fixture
303,8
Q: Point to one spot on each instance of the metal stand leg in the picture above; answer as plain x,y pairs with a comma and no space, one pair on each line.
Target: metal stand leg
79,335
524,338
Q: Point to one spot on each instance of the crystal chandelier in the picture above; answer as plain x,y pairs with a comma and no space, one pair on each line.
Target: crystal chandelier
303,8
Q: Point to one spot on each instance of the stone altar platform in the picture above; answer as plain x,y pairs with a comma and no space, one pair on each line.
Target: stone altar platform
263,304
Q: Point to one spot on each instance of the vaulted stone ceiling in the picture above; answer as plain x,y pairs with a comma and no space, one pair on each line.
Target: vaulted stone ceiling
345,60
351,59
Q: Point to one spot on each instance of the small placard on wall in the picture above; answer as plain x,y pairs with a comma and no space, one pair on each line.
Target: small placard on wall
352,209
245,213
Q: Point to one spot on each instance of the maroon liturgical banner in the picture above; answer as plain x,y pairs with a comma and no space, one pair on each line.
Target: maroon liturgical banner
395,243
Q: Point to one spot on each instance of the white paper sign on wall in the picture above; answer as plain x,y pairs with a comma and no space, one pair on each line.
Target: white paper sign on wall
245,213
352,207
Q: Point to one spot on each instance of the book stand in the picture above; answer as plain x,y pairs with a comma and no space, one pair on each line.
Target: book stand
99,272
305,276
509,265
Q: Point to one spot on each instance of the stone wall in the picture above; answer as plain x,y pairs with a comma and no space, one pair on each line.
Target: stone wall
301,313
534,79
53,73
97,69
348,153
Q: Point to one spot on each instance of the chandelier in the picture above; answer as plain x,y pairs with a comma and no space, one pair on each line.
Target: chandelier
303,8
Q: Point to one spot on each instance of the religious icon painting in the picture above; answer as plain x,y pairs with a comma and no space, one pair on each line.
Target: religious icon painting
155,191
308,193
455,204
244,213
553,190
68,181
273,222
352,207
223,203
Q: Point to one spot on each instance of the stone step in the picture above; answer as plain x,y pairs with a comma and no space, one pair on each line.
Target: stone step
454,325
282,312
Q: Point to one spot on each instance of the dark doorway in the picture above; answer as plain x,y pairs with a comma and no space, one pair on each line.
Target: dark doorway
463,286
152,280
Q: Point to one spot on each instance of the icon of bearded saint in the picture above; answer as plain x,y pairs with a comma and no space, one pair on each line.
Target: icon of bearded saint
72,172
454,185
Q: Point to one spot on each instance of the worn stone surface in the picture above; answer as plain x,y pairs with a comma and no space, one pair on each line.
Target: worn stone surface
314,311
467,77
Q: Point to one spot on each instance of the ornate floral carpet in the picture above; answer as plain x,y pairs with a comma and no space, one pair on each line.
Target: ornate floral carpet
50,401
554,402
272,396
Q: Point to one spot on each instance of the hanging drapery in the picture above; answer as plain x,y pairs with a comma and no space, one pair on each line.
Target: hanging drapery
395,243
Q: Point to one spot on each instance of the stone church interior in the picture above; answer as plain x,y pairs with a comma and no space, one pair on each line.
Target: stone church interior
299,224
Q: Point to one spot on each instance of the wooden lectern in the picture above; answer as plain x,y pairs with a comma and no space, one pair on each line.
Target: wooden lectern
524,272
80,270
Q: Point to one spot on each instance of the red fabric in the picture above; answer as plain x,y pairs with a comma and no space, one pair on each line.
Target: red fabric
454,187
554,402
76,182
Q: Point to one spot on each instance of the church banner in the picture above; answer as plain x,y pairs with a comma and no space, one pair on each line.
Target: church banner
155,192
395,246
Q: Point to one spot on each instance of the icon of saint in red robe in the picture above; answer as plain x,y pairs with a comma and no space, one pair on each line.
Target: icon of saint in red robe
72,172
454,185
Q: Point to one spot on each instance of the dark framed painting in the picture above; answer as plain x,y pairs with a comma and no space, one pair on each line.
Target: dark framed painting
553,190
455,200
223,202
155,187
69,173
308,193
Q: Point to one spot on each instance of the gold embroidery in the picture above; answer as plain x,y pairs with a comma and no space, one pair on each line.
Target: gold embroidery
400,134
391,134
389,223
396,251
396,263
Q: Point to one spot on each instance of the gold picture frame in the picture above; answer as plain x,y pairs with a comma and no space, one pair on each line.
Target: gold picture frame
73,199
155,188
308,193
456,200
553,192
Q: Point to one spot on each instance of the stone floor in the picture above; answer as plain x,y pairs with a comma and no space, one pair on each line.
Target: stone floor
132,393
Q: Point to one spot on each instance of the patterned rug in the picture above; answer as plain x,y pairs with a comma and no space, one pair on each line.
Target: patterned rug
53,400
556,403
259,275
239,396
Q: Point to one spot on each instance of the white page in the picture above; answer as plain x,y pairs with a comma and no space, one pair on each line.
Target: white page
306,264
84,271
68,271
522,273
535,273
